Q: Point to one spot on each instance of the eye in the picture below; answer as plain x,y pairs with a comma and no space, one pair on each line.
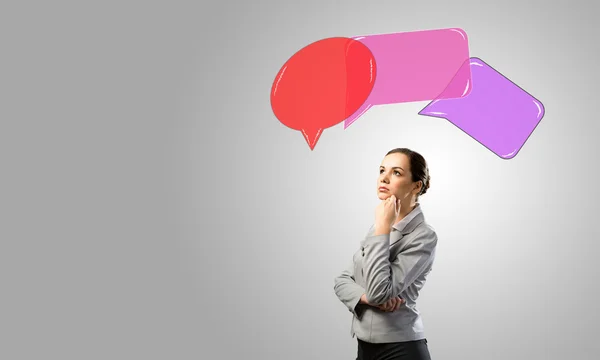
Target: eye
397,173
380,171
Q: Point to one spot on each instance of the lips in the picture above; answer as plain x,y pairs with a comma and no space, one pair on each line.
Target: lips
383,189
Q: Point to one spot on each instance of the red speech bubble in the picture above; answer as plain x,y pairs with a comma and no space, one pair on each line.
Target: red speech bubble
322,84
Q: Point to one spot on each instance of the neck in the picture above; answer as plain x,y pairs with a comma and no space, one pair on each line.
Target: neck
405,210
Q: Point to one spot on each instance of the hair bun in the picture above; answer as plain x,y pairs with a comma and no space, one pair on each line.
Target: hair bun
426,185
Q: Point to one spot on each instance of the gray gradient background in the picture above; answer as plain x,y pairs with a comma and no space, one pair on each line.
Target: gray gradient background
154,208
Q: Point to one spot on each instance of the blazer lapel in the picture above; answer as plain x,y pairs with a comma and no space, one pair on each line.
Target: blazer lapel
396,235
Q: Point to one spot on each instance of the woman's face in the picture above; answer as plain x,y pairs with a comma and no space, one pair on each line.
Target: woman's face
395,178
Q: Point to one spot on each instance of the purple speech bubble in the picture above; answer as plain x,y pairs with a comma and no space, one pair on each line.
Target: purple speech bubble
497,113
416,66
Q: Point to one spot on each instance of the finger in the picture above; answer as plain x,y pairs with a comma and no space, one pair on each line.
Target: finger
397,304
400,302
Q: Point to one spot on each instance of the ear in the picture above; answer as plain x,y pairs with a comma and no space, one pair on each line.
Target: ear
418,186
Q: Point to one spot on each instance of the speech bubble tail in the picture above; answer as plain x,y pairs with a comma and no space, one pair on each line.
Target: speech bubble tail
432,110
349,121
352,118
312,136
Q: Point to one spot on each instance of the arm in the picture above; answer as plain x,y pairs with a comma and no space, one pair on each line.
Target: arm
348,291
386,279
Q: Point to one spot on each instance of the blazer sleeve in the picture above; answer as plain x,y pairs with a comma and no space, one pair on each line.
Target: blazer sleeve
386,279
348,291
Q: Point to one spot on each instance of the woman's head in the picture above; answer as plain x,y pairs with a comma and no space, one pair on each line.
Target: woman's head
403,173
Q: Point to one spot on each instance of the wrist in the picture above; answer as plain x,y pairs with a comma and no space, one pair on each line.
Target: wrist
382,228
363,299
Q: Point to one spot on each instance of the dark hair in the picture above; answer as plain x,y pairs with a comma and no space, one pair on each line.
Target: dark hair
418,167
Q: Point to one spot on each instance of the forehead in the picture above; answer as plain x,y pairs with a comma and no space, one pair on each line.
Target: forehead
396,159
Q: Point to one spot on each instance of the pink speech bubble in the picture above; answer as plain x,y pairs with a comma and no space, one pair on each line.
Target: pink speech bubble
416,66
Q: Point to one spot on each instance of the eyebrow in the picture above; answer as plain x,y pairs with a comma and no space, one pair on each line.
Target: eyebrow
395,167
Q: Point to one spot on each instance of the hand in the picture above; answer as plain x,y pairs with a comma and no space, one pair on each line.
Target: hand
392,304
363,300
386,212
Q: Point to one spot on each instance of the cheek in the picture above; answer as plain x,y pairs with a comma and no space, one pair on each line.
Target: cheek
399,185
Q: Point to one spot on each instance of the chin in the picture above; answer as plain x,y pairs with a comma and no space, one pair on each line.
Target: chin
382,196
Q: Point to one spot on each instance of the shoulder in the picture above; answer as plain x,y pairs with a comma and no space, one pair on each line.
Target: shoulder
425,233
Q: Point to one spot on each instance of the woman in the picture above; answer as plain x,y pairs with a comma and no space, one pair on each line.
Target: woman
381,286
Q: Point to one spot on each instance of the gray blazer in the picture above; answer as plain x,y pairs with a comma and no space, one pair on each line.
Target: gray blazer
385,266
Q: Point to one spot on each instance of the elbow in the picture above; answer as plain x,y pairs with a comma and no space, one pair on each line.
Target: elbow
338,282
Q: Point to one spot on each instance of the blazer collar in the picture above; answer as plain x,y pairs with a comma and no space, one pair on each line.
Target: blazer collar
410,221
404,226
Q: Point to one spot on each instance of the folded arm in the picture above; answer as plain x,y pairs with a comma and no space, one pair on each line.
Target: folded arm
386,279
348,291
